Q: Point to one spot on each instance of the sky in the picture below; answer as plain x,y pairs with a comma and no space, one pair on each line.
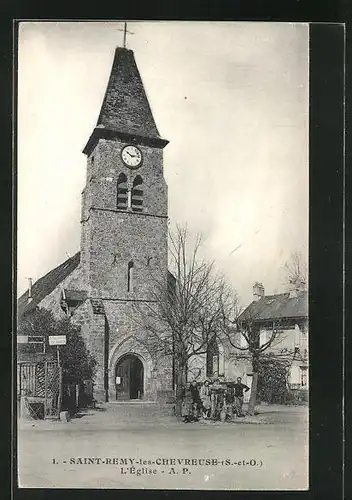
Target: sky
232,99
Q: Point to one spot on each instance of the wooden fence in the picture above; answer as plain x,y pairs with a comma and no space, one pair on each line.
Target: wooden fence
38,388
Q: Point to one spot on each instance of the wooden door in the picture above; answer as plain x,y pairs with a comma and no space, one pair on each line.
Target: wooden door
129,378
123,380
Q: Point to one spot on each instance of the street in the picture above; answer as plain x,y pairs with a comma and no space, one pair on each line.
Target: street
142,446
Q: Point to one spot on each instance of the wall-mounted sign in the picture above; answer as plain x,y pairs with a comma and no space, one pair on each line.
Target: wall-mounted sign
57,340
32,339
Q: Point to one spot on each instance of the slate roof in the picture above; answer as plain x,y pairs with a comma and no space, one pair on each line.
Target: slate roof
280,306
125,111
46,284
125,106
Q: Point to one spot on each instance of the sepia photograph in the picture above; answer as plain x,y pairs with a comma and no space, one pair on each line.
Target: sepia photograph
162,255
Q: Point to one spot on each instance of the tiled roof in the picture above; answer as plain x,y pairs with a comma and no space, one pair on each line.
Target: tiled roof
46,284
280,306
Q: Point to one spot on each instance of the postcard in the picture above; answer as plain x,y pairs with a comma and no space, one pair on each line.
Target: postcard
162,314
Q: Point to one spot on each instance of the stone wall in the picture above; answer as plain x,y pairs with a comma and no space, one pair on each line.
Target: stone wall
117,239
108,165
111,238
127,336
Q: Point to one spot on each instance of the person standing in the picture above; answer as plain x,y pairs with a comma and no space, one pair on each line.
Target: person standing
197,403
239,388
230,399
187,405
205,398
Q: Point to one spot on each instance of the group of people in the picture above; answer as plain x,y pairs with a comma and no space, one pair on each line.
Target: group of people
213,399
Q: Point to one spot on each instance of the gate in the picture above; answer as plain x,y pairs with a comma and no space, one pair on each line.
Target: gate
38,388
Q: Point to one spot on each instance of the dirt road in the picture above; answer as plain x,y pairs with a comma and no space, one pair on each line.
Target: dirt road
136,446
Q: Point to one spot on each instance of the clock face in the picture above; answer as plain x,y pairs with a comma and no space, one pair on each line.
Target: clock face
131,156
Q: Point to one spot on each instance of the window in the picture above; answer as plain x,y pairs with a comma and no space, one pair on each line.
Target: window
213,358
122,192
137,194
243,341
130,276
263,337
295,377
304,377
297,336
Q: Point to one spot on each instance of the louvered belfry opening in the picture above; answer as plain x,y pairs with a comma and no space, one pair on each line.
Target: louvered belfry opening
137,194
130,276
122,192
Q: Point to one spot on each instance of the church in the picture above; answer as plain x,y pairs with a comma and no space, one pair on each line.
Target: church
124,239
124,228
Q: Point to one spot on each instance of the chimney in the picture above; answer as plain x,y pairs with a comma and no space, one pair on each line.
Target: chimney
30,280
258,291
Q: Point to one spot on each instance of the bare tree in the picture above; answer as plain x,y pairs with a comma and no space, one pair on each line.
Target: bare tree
186,310
295,272
243,333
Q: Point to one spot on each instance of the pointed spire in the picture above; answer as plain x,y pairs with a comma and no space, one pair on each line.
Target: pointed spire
125,110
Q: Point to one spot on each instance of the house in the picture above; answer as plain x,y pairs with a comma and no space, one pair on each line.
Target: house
287,315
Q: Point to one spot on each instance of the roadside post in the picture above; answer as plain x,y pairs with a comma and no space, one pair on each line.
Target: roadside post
58,340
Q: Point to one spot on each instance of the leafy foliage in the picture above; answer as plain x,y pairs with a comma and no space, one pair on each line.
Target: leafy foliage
77,361
272,379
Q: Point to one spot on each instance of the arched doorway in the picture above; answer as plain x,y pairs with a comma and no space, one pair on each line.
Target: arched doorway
129,378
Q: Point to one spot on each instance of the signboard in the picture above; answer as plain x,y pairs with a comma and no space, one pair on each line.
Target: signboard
57,340
35,339
22,339
29,339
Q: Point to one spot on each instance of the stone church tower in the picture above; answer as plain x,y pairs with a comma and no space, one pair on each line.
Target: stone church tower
123,240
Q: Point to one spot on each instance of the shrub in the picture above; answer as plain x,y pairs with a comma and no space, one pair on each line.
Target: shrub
77,361
272,379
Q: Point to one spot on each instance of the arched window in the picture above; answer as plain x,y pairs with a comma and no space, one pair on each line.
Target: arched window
130,276
122,192
213,358
137,194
